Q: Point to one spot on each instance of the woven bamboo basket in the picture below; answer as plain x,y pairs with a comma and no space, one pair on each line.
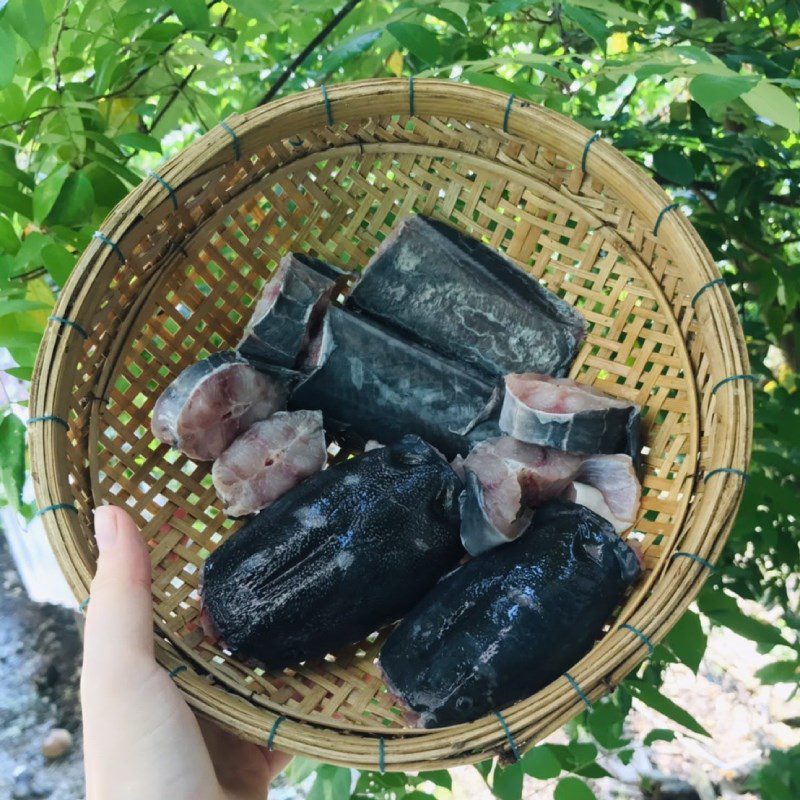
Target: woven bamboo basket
170,277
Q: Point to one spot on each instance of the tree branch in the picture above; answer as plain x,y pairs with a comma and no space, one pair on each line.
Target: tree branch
62,21
308,49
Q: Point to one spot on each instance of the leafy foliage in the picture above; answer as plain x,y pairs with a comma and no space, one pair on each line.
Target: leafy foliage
94,92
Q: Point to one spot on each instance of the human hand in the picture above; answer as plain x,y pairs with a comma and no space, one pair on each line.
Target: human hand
141,739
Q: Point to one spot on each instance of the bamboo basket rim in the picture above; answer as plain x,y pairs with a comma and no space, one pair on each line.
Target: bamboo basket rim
704,519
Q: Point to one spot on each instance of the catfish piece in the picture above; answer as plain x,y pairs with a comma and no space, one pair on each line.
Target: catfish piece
371,383
560,413
508,622
345,552
505,479
284,316
211,402
449,291
268,459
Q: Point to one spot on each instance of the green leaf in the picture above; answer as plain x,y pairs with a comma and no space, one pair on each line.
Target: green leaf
780,672
484,768
541,763
609,10
12,459
673,165
417,39
650,696
59,262
448,16
27,19
507,782
589,23
9,241
710,90
441,777
350,48
16,201
253,9
139,141
332,783
659,735
75,202
605,724
723,610
299,769
192,13
767,100
163,32
15,306
8,62
687,641
573,789
12,106
46,193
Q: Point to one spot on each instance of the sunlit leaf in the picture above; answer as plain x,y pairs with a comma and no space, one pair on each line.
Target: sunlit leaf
46,193
773,103
27,19
192,13
12,459
8,62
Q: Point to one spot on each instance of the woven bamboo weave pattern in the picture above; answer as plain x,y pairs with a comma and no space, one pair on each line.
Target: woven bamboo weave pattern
178,283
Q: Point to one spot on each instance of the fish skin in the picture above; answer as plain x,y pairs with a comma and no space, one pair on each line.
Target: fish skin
613,429
268,459
345,552
295,298
454,294
224,383
507,623
371,383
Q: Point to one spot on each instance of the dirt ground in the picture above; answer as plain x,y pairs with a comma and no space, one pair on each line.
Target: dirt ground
40,657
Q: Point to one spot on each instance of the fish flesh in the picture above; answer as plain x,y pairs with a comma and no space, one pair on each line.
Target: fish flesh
268,459
506,479
468,302
560,413
348,550
371,383
211,402
508,622
289,307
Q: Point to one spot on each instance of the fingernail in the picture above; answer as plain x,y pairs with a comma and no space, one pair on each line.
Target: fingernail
105,528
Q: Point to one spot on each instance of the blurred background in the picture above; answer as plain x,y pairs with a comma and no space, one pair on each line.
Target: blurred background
703,95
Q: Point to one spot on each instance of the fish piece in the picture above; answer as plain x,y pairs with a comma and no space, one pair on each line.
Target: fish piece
560,413
506,479
343,553
368,382
211,402
449,291
291,303
268,459
508,622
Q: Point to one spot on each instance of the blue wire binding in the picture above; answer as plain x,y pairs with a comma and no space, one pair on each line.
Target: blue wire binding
660,216
237,147
296,142
579,691
113,245
715,282
177,671
694,557
273,730
167,187
381,755
593,138
509,735
327,102
49,418
733,378
56,507
507,112
85,602
643,637
728,470
71,324
411,95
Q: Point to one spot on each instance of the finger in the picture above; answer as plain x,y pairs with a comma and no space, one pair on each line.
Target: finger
119,625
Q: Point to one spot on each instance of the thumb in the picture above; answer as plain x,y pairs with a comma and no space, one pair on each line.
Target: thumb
119,621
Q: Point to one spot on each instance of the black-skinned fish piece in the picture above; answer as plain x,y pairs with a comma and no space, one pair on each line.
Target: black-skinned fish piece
376,385
290,306
345,552
214,400
454,294
565,415
510,621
